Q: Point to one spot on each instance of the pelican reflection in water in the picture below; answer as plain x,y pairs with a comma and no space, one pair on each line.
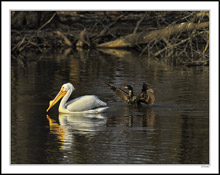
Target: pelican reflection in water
70,125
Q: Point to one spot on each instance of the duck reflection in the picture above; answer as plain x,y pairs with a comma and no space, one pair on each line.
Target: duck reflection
147,120
71,125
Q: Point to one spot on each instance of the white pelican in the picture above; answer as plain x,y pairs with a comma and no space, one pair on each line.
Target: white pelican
83,104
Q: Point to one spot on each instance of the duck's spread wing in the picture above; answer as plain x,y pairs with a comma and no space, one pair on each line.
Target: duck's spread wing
146,95
119,92
144,87
85,103
151,97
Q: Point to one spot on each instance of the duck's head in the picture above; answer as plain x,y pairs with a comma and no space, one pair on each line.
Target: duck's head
128,87
130,90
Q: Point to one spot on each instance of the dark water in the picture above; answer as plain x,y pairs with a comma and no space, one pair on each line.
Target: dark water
175,130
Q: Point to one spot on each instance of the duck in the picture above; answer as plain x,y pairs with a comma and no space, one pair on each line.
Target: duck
127,97
82,104
146,96
133,100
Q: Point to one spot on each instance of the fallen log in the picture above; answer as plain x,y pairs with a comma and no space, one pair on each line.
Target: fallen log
66,40
145,37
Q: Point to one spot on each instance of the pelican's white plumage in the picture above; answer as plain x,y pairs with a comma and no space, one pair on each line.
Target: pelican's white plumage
83,104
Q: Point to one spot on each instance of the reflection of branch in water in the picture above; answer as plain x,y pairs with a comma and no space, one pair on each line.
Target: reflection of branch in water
25,60
117,52
130,121
67,52
83,54
19,60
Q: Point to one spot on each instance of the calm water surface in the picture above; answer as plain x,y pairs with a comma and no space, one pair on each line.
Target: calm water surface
175,130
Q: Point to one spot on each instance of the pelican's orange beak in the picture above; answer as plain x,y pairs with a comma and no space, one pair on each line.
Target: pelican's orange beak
126,87
56,99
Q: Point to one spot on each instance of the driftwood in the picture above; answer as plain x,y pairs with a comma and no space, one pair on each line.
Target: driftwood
66,40
25,43
169,46
139,22
83,40
145,37
47,22
19,44
180,36
106,29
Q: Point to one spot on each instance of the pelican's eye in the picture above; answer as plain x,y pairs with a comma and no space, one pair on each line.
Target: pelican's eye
62,88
